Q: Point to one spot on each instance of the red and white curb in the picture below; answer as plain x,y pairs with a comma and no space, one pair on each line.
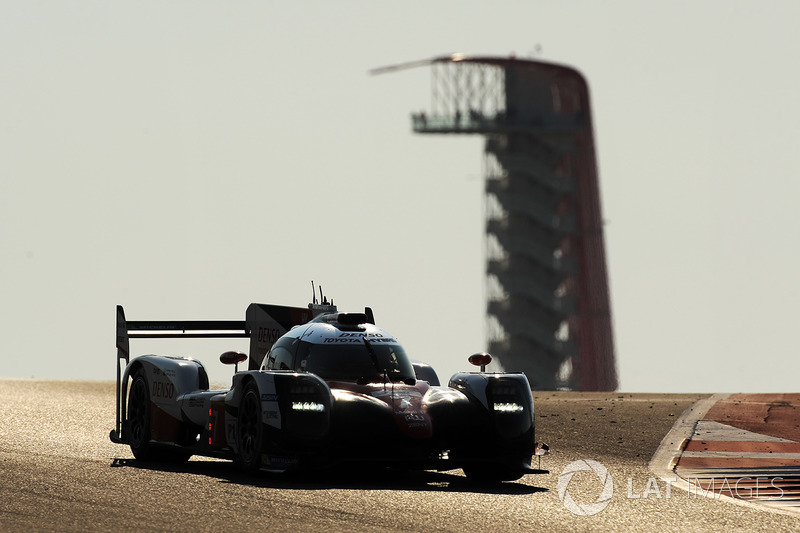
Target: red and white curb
707,457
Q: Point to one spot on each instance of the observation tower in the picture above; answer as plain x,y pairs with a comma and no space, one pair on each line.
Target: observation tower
548,311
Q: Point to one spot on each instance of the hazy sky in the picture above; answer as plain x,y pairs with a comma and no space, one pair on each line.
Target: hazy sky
186,158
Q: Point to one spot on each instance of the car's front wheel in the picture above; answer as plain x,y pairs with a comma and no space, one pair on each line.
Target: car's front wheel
249,429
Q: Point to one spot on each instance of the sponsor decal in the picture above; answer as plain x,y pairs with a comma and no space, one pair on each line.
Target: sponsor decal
357,338
169,372
196,402
269,335
273,460
163,389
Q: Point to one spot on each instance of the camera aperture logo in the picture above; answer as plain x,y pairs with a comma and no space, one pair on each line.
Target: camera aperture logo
603,499
743,488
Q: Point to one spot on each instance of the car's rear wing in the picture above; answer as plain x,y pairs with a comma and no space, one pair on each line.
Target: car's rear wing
263,325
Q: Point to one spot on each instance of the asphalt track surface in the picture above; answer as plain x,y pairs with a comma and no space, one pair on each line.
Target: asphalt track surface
61,473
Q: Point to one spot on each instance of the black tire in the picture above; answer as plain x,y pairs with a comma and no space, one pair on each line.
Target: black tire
139,418
138,432
249,430
491,473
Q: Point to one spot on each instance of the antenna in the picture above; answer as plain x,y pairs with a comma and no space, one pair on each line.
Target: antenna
322,305
322,297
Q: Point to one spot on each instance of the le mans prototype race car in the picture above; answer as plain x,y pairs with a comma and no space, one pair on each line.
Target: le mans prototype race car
322,388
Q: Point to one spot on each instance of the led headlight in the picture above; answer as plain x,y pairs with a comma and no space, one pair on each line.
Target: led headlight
510,407
307,406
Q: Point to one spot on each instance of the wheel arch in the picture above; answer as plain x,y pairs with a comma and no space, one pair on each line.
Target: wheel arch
130,370
167,378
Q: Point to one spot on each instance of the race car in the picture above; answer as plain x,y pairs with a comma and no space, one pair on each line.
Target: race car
322,388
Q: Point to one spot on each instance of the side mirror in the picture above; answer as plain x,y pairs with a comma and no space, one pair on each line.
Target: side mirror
481,360
233,358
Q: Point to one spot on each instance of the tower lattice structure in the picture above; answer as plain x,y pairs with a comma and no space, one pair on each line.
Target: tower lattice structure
548,307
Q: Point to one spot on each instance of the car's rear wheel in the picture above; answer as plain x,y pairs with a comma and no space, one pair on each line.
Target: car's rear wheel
139,418
249,429
139,425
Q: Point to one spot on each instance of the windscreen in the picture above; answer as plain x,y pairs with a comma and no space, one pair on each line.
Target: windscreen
353,362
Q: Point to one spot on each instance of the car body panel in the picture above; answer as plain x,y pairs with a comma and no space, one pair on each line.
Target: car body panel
332,390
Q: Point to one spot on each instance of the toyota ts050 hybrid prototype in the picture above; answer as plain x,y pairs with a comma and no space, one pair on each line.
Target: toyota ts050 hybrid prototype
322,388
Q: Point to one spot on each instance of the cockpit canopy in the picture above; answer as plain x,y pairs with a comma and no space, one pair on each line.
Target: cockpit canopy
353,362
334,353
